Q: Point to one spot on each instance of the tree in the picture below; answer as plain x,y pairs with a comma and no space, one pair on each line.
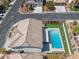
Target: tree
75,23
23,2
50,5
6,4
44,2
31,8
76,29
2,9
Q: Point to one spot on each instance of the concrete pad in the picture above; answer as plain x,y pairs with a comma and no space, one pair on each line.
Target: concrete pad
60,9
38,9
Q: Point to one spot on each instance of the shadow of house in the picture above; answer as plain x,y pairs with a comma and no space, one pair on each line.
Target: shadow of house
20,47
45,44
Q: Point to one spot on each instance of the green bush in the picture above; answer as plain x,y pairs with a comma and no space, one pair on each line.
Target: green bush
50,5
75,22
5,4
31,8
76,29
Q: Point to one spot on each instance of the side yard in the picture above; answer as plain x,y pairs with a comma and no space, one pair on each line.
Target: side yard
68,38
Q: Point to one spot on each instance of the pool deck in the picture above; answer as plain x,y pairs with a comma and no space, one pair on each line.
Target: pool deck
47,39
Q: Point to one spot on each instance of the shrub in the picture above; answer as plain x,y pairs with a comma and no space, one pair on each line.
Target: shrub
50,5
31,8
76,29
5,5
75,23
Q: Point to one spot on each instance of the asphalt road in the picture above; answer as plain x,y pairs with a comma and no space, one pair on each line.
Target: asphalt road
14,16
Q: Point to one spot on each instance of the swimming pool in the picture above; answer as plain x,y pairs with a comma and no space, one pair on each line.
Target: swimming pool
54,38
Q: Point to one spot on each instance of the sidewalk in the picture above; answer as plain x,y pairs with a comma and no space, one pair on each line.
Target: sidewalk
0,21
6,12
12,3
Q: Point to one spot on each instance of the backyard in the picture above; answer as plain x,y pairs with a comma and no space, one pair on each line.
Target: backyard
60,26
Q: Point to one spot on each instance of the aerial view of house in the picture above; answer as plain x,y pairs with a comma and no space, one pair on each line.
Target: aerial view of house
39,29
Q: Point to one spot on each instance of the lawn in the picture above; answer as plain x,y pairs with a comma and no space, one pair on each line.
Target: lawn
60,26
52,25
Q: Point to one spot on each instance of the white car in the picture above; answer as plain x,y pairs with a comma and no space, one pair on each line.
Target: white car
1,14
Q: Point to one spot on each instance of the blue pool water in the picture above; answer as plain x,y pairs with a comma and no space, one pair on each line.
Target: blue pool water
54,37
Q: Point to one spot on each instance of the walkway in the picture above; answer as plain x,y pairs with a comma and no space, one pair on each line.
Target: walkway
66,39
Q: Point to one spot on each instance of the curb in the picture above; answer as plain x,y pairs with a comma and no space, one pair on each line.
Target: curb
48,12
7,12
12,3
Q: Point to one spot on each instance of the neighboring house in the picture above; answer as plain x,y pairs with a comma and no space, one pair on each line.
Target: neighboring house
58,2
34,2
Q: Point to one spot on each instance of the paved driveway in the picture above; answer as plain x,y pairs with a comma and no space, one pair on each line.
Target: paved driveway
38,9
60,9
